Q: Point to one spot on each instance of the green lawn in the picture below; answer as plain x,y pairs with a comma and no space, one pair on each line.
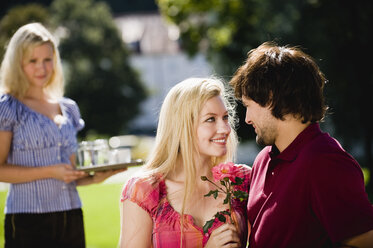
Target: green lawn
2,203
101,214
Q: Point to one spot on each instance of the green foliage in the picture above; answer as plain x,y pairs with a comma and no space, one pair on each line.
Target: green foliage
214,193
219,216
227,30
17,17
230,194
240,195
208,225
96,65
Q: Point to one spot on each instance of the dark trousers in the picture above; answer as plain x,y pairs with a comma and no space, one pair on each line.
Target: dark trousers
58,229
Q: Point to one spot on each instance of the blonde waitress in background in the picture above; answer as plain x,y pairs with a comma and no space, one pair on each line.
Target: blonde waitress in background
38,128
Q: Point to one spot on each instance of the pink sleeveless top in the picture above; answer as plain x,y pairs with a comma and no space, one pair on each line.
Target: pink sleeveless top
151,195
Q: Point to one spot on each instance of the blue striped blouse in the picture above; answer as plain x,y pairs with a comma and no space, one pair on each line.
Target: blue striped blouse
37,141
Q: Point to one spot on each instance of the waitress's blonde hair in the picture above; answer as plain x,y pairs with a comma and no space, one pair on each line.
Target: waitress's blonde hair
12,77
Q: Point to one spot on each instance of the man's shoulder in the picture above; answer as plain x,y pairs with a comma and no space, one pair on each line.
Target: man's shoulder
321,144
325,151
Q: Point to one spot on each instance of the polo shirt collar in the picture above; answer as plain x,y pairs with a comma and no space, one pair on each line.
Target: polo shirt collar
291,152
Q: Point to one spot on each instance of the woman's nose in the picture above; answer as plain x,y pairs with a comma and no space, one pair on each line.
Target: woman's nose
40,66
224,127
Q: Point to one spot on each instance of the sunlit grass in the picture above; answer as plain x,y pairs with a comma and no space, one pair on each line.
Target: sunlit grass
366,175
101,214
2,204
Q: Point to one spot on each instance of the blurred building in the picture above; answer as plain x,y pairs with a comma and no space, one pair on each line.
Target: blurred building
156,54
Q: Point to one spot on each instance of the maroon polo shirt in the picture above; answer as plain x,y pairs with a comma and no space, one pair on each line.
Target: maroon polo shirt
310,195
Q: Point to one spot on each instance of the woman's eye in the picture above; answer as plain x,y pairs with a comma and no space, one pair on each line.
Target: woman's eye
32,60
211,119
226,117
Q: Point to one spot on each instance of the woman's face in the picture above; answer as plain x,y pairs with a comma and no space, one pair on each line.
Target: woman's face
213,128
37,65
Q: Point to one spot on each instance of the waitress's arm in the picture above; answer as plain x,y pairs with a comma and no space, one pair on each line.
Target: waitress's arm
11,173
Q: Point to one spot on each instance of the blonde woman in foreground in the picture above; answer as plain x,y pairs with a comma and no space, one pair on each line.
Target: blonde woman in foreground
165,206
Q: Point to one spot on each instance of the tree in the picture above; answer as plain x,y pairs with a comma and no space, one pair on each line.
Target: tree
17,17
337,33
344,38
7,5
226,30
98,73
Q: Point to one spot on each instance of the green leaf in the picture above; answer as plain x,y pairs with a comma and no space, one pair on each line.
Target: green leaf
204,178
241,195
212,192
207,225
221,218
225,212
227,198
216,194
239,181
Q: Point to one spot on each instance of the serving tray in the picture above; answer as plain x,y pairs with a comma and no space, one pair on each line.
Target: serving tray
105,167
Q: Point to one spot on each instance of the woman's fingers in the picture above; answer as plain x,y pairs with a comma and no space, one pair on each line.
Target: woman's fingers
66,173
224,236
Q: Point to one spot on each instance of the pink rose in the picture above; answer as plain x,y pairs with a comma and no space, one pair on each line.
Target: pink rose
228,170
227,175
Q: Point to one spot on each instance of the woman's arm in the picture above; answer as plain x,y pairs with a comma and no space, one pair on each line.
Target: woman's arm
20,174
136,226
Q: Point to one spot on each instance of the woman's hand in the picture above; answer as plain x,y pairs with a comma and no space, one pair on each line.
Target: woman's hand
224,236
66,173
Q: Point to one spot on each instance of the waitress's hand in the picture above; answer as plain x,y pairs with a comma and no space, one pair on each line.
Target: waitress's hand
224,236
66,173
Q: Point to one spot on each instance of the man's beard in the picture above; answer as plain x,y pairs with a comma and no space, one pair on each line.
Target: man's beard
267,137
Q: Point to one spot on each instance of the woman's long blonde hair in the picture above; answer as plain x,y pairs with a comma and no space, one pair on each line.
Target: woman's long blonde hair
12,78
176,134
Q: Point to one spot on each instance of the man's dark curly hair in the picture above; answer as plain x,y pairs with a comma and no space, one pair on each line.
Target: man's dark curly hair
284,78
